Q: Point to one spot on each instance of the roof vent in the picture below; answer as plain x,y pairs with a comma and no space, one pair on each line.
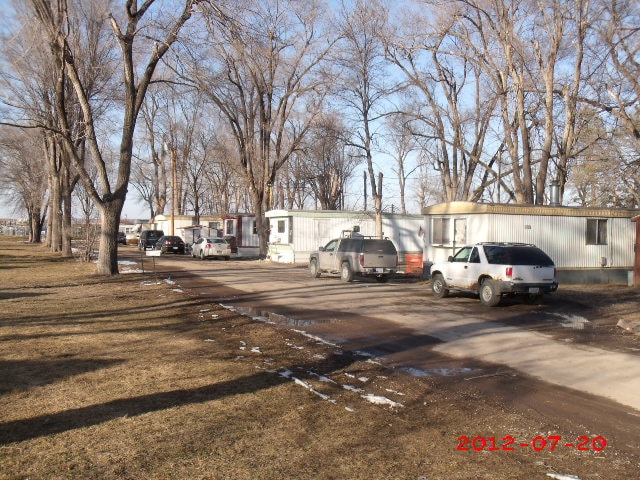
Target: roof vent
554,193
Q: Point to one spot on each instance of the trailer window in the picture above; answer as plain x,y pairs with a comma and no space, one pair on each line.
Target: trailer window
596,231
229,230
440,231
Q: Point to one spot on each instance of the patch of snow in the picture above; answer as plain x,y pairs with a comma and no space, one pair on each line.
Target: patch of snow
351,388
561,476
363,379
309,387
442,372
314,337
255,350
380,400
572,321
209,340
395,392
322,378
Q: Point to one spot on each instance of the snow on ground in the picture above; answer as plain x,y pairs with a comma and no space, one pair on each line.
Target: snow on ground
560,476
572,321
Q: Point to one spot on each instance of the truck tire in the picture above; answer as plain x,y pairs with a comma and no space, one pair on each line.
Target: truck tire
313,268
489,295
438,286
346,274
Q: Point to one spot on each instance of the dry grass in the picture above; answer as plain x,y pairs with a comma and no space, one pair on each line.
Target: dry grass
125,378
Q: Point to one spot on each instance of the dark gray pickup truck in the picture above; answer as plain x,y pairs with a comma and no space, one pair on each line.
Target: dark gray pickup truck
356,256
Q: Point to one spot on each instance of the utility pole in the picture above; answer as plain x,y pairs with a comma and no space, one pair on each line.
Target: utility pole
365,190
173,189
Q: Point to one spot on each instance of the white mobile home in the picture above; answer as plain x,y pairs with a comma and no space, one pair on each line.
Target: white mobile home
187,226
588,245
242,226
294,234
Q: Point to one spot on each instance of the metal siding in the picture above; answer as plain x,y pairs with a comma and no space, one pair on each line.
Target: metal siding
314,229
561,237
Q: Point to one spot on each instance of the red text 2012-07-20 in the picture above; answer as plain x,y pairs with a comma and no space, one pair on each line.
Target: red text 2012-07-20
538,444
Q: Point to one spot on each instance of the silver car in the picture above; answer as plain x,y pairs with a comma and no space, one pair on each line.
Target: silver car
206,247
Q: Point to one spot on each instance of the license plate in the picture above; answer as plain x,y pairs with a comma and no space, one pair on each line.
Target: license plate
534,290
175,248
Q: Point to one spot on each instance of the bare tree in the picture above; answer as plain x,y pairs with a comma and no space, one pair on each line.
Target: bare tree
261,71
448,105
327,164
25,178
363,89
402,142
109,191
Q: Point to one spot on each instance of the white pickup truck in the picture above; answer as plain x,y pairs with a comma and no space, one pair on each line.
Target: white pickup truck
493,269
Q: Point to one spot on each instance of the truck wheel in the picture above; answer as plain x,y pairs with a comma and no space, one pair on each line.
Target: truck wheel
201,254
489,295
346,274
438,286
313,268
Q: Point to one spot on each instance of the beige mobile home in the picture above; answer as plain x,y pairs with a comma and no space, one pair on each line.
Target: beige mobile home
588,245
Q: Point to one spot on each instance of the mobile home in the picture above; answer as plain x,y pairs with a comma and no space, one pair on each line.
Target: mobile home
294,234
588,245
188,227
242,226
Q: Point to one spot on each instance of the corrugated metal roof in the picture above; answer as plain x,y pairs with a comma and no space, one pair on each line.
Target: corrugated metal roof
460,208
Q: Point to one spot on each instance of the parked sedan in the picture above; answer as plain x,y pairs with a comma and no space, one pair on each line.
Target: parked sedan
211,247
170,244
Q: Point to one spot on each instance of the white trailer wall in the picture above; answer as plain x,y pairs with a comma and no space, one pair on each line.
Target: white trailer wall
305,231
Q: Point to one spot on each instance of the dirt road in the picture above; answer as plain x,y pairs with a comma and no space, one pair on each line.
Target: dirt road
552,357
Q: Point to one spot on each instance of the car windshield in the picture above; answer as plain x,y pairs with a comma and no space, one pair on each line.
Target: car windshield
517,255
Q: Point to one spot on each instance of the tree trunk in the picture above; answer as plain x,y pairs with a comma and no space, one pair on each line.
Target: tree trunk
55,232
110,212
67,217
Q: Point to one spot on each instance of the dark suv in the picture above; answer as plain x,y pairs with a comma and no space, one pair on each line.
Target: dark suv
149,238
